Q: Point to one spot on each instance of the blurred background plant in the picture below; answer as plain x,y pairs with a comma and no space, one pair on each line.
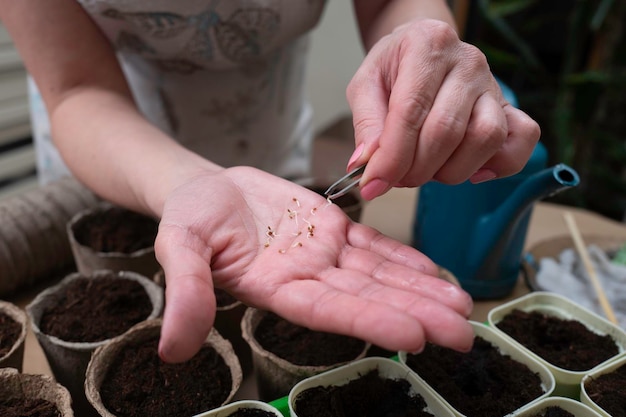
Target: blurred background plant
566,62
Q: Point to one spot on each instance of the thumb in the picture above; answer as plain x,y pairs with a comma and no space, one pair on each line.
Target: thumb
190,298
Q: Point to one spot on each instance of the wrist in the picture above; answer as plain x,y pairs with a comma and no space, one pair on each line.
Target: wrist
182,167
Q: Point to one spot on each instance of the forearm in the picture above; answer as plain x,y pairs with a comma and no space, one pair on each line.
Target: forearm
379,18
113,150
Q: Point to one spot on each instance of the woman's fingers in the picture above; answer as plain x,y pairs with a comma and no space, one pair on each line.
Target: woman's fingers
390,318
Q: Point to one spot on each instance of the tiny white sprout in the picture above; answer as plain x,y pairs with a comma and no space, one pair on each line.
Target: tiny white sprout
297,245
293,215
295,200
282,251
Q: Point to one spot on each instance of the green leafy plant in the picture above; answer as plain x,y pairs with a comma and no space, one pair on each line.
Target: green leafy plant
566,62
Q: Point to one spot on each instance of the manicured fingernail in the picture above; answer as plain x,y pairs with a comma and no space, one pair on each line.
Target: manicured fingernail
374,188
482,175
356,154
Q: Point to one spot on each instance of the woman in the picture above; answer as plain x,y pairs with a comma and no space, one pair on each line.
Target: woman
193,111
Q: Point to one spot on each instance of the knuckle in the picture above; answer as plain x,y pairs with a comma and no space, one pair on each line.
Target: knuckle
487,134
413,109
446,125
366,128
437,34
531,129
474,58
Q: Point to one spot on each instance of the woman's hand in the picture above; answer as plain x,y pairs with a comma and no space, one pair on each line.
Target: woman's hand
426,107
278,246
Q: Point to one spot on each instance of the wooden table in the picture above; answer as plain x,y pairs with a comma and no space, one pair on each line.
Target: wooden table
393,215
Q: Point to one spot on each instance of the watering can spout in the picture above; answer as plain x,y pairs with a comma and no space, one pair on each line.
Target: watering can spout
497,232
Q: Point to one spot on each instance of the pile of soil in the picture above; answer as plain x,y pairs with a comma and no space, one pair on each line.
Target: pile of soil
554,412
367,396
251,412
139,384
116,230
609,391
35,407
479,383
302,346
568,344
92,310
10,331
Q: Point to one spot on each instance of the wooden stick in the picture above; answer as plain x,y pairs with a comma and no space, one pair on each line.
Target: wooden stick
591,272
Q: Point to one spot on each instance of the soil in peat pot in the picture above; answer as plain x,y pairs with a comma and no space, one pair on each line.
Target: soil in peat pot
370,395
140,384
609,391
92,310
554,412
568,344
28,407
116,230
223,298
480,383
302,346
10,331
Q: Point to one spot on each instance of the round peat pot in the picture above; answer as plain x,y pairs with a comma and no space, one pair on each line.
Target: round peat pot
15,327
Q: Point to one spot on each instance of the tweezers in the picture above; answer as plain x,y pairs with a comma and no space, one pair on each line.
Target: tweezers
345,183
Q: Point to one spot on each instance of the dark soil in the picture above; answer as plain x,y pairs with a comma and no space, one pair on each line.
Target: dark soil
91,310
609,391
139,384
251,412
554,412
367,396
479,383
116,230
305,347
567,344
27,407
223,299
10,331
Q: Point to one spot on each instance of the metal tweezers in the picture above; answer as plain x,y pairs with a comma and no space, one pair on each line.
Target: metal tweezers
345,183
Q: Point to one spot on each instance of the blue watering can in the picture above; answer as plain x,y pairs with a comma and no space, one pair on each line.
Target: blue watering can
477,231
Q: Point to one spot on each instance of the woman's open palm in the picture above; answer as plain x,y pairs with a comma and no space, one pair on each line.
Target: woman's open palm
278,246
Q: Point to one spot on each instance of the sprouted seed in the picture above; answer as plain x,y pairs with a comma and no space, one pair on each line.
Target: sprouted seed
270,233
293,215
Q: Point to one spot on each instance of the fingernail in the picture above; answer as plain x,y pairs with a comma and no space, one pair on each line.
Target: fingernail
356,154
418,350
374,188
482,175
